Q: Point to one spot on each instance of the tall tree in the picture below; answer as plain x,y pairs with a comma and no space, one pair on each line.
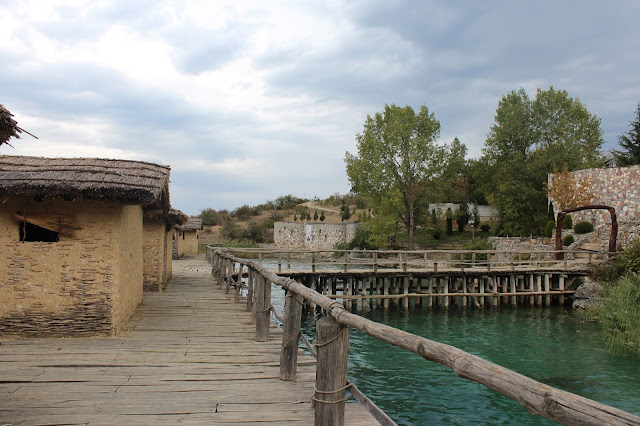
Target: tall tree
398,166
630,144
527,140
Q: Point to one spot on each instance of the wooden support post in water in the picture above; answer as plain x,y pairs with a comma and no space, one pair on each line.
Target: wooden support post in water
561,288
430,291
481,286
314,279
464,291
538,289
385,301
290,336
512,289
547,298
405,291
331,372
263,309
445,290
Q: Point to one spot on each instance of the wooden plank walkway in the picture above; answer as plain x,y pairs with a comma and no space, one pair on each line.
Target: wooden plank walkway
188,355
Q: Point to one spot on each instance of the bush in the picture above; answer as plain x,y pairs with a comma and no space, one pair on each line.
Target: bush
567,222
567,240
549,228
449,216
583,227
477,244
620,316
627,261
436,234
485,227
361,240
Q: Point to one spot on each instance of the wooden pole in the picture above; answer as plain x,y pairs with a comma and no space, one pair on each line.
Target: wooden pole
290,336
263,309
385,301
250,280
331,372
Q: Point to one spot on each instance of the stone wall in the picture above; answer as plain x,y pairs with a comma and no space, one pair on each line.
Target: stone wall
617,187
312,236
72,286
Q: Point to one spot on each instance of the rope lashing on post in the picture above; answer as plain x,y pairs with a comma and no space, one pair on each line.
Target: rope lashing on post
319,345
333,392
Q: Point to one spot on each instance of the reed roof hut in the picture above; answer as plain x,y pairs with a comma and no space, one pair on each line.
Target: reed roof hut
71,231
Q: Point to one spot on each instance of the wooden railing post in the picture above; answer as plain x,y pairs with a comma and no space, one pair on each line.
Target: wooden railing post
375,263
290,336
313,261
263,308
250,289
331,371
239,284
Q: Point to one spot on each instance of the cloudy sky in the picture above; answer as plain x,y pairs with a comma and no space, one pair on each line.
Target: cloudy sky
248,100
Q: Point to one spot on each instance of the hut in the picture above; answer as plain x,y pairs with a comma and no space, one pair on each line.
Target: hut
186,238
156,246
72,232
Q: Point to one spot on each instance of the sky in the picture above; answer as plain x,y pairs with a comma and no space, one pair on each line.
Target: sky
249,100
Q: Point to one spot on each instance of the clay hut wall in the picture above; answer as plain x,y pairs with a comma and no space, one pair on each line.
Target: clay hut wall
88,282
153,250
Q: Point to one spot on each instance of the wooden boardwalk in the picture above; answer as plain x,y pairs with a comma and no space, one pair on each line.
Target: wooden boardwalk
187,356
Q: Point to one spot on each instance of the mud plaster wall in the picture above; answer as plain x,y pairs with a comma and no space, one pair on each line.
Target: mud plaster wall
128,287
187,243
65,287
153,250
168,258
313,236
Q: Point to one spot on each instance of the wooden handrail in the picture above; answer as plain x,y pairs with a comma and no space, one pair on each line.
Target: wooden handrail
538,398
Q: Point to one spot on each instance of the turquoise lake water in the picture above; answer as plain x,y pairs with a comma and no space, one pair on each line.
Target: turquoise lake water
552,345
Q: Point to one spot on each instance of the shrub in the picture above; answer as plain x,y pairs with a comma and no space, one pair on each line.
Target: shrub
485,227
627,261
583,227
548,229
567,222
436,234
567,240
620,316
449,216
630,257
477,244
361,240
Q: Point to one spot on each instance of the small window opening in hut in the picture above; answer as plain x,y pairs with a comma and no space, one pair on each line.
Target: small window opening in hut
183,235
31,232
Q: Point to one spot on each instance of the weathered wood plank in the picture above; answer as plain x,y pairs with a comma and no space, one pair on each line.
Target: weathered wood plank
185,352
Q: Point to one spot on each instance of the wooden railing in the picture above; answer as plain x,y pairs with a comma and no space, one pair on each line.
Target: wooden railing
332,351
434,260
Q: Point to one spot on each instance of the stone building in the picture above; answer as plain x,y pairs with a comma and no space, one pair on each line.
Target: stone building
186,237
312,236
72,233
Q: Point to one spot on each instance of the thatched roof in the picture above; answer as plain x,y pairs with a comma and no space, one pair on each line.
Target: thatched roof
9,127
193,224
174,216
131,182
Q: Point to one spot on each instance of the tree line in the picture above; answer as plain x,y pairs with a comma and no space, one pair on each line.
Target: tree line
400,168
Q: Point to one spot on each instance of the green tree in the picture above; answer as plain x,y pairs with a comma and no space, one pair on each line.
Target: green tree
345,212
527,140
399,166
630,144
209,217
322,216
315,215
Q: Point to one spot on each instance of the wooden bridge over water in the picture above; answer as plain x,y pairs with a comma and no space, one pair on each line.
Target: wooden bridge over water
204,352
432,278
